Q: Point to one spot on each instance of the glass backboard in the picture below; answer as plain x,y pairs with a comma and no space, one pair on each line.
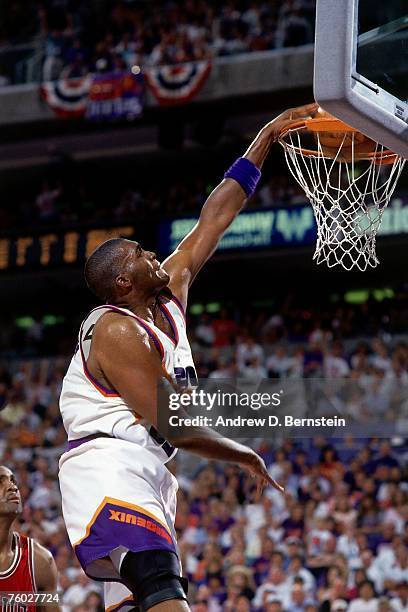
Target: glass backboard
361,66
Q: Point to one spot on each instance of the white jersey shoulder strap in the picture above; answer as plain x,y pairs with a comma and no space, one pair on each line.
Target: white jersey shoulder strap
88,325
174,313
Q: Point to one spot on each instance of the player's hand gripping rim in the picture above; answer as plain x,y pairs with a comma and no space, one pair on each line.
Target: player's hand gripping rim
284,119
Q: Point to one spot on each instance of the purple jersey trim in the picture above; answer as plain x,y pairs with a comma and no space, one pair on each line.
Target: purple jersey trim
166,312
75,443
179,305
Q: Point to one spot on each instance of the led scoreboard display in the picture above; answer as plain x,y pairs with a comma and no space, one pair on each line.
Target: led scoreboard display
53,249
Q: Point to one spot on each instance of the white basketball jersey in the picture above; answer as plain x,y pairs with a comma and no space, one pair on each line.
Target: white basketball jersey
88,408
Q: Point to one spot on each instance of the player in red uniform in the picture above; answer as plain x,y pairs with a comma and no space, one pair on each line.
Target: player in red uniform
26,567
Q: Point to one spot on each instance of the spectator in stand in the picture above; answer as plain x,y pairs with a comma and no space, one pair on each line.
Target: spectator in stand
241,578
339,605
318,538
79,592
248,351
53,55
313,359
204,331
329,464
129,50
399,603
385,457
371,569
360,358
226,369
276,584
343,513
367,600
294,28
254,370
396,513
397,572
380,358
279,364
94,602
294,525
299,599
46,202
335,365
296,569
224,329
273,604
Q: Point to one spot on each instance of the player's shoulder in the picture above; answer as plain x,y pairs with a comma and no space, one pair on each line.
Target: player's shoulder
42,556
44,567
117,326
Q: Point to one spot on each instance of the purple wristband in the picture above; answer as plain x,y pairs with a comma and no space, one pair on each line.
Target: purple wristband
245,173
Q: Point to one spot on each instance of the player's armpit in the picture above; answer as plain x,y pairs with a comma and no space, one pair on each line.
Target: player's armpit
46,577
130,361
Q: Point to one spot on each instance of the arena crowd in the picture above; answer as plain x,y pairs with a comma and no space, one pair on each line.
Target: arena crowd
336,541
78,36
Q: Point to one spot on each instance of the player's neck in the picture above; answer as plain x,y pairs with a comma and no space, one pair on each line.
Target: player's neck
143,307
6,535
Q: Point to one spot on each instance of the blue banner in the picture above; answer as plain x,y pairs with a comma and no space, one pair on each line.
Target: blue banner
115,96
251,230
276,227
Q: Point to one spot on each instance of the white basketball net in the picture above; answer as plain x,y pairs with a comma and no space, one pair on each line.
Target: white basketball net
348,199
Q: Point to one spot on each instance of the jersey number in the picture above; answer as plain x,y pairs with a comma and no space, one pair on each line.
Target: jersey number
186,377
88,335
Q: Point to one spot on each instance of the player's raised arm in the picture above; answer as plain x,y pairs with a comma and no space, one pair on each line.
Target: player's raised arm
224,204
46,579
136,372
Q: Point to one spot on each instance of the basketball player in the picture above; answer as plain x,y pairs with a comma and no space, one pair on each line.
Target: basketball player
119,499
25,566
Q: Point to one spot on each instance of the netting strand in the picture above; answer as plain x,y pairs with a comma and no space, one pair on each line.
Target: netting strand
348,198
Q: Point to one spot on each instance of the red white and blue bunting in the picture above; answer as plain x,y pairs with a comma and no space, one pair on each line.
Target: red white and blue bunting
68,98
177,84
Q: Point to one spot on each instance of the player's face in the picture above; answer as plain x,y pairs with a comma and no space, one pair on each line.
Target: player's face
144,267
10,499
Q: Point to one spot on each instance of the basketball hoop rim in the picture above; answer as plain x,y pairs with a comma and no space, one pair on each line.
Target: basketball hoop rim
330,124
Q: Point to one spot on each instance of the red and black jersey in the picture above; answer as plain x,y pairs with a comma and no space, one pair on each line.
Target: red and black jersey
19,577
